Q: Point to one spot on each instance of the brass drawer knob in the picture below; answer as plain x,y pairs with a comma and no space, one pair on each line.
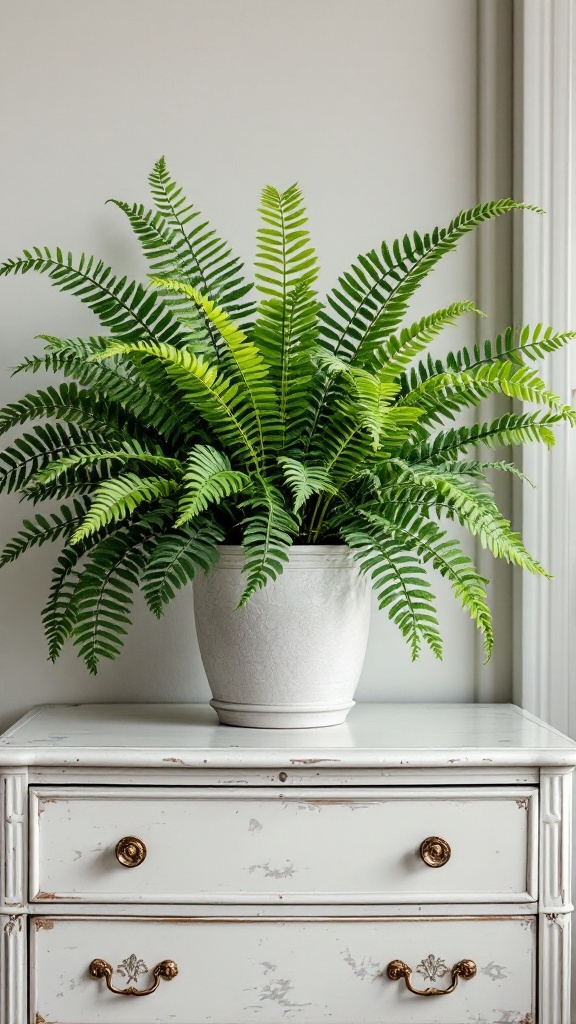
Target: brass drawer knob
465,969
167,970
130,851
435,852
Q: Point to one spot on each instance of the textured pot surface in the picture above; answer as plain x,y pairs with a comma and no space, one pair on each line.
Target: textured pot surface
292,657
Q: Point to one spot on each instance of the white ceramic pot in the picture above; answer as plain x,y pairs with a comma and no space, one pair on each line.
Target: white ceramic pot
292,657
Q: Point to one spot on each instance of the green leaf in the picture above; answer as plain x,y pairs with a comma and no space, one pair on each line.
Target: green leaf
208,480
115,500
23,459
125,453
217,399
430,542
241,361
514,345
305,480
268,533
401,586
440,395
474,508
44,528
392,355
102,597
371,299
509,429
287,320
176,559
125,308
206,262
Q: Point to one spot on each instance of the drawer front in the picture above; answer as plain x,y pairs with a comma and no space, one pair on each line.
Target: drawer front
209,845
241,970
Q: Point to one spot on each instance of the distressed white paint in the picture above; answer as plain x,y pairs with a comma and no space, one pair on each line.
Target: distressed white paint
375,736
13,970
13,853
556,841
338,836
555,956
263,846
242,970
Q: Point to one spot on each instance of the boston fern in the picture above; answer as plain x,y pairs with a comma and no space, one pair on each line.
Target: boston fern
200,417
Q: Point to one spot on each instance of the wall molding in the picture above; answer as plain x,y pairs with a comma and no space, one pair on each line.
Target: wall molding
545,174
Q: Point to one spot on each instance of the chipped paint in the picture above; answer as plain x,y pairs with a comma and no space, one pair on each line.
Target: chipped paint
175,760
268,966
45,896
43,924
13,923
316,804
269,872
514,1017
522,804
277,991
494,971
40,1019
367,968
314,760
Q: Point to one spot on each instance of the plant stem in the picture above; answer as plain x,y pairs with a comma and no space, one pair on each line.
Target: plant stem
322,516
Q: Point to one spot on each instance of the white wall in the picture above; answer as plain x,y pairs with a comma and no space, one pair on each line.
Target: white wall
370,104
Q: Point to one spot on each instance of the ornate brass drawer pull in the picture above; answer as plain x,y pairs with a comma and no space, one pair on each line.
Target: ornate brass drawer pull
465,969
101,969
130,851
435,852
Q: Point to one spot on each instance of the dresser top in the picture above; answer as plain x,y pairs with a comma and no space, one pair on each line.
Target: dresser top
374,736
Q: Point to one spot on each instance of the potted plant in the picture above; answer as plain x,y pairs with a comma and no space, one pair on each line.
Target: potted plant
283,455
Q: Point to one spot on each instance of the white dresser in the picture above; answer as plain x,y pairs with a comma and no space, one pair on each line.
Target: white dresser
409,867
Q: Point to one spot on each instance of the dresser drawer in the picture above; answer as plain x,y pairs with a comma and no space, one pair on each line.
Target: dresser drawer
246,969
206,845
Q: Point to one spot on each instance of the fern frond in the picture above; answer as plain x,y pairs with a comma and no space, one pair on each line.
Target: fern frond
287,319
423,536
124,453
152,405
125,308
509,429
476,510
176,559
514,346
160,248
208,262
115,500
402,588
44,528
241,361
268,533
27,455
208,479
71,405
59,612
217,399
102,597
304,480
371,299
442,394
392,355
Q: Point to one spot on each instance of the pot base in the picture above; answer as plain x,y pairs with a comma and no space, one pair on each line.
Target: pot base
281,716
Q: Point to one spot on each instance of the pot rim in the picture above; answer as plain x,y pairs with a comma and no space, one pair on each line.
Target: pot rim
300,556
